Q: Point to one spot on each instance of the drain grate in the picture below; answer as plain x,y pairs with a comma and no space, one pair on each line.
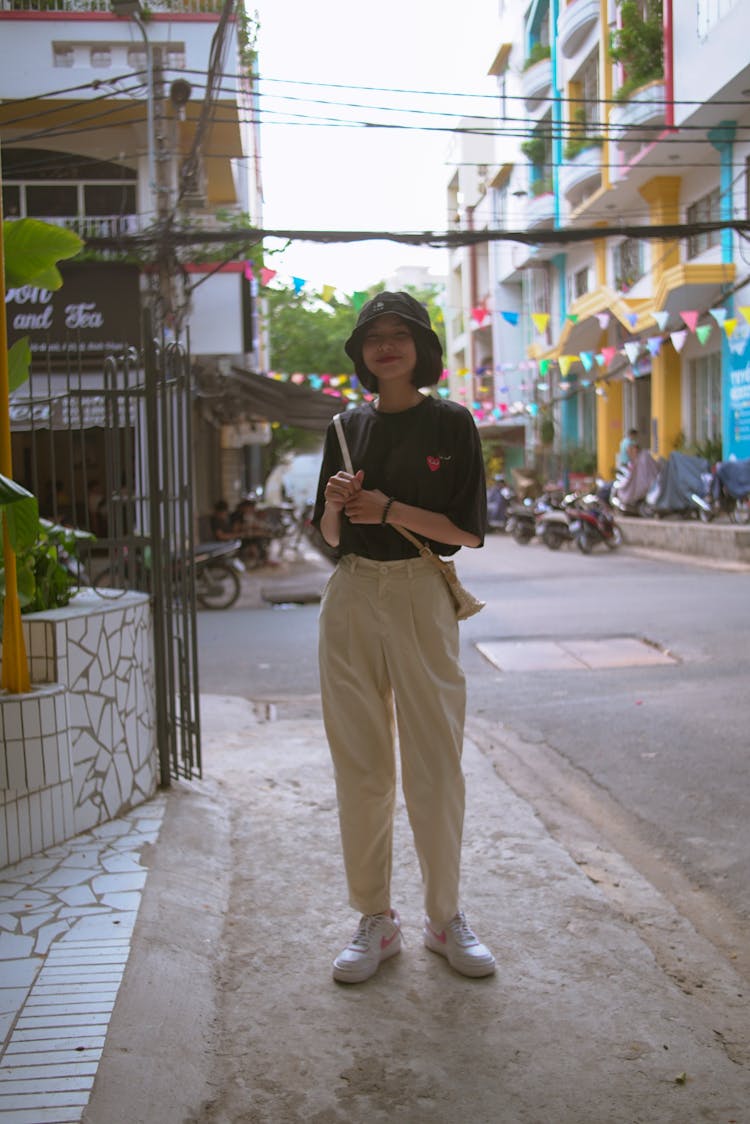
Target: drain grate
573,655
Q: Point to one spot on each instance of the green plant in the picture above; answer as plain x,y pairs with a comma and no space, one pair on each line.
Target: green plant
44,580
581,461
538,53
579,144
638,44
535,150
541,186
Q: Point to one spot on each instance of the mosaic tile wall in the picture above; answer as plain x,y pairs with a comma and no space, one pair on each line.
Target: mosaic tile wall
81,748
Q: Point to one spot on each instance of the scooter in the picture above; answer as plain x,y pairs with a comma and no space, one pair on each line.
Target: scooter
593,522
553,524
521,522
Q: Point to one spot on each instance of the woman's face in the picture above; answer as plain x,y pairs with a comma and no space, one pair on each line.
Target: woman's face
388,349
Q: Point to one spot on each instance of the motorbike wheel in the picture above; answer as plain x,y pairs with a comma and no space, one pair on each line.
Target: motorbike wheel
553,538
584,542
740,514
522,535
217,586
616,538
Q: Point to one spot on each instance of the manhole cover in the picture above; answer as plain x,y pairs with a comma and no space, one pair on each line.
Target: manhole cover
571,655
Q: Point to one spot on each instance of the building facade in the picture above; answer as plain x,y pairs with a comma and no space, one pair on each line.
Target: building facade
609,118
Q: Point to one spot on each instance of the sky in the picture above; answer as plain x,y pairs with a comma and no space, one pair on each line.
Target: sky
328,177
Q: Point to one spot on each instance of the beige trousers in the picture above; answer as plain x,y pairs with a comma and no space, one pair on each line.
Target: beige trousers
388,634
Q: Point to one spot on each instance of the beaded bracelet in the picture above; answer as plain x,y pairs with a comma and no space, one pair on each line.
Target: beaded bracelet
386,509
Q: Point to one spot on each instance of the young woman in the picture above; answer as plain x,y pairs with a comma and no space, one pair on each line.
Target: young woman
389,635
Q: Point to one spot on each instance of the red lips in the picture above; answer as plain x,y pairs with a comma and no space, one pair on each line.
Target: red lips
433,463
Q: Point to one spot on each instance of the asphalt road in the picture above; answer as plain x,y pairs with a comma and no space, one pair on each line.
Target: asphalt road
667,744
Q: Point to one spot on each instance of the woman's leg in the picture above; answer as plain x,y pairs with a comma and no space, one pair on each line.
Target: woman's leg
358,717
430,695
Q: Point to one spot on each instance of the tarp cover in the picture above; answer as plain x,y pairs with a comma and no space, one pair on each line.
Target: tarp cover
644,471
735,476
681,476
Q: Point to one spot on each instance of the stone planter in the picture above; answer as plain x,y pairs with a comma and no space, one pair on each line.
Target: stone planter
80,748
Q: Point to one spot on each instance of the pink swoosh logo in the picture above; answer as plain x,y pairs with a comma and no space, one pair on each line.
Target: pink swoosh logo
438,936
385,941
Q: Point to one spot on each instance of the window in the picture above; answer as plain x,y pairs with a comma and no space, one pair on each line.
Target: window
628,264
707,209
11,201
578,284
137,59
705,398
63,54
56,200
101,56
175,56
109,199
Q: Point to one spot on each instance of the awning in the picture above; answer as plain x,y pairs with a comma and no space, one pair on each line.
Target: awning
229,390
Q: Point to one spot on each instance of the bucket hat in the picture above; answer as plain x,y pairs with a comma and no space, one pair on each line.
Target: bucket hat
429,348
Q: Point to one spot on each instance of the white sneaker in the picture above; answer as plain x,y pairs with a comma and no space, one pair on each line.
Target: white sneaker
460,946
378,937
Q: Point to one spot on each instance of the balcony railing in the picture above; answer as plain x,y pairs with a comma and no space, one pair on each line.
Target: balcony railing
574,23
536,83
160,7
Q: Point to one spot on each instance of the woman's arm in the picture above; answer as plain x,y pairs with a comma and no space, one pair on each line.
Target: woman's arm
339,491
368,507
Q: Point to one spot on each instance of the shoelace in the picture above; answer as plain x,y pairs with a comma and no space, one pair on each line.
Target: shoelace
459,926
363,935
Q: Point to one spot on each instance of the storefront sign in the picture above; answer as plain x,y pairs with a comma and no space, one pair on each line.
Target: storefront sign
736,393
95,313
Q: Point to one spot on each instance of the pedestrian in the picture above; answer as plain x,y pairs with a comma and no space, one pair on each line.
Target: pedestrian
628,449
388,632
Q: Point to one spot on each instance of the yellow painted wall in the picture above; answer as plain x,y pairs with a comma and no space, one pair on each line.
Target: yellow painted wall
665,401
609,415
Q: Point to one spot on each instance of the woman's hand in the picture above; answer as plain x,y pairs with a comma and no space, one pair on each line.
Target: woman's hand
342,488
366,506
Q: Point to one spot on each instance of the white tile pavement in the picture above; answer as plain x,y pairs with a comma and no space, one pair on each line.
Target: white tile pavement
66,923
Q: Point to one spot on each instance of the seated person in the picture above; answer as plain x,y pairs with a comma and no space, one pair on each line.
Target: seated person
222,524
251,527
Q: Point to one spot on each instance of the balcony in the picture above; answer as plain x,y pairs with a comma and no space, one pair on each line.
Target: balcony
581,175
540,211
644,107
574,23
536,83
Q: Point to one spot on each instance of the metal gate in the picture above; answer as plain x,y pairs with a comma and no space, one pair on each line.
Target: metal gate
108,449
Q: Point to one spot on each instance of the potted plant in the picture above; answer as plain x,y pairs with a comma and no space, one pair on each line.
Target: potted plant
638,45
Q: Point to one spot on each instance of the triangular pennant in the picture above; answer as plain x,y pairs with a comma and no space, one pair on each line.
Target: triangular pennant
653,343
267,275
511,317
327,292
729,326
541,320
587,358
609,354
565,362
299,284
632,318
603,318
543,367
479,315
358,299
703,331
678,339
632,348
573,317
745,310
719,315
600,360
248,271
661,318
690,317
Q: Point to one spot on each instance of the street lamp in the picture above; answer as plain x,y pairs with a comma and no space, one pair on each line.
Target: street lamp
131,9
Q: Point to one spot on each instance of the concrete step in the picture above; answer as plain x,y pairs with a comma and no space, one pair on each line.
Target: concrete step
723,541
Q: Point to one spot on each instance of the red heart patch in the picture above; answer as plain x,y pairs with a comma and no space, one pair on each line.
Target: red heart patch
433,463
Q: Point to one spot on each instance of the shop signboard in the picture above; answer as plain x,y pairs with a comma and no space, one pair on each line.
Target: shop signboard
736,394
95,313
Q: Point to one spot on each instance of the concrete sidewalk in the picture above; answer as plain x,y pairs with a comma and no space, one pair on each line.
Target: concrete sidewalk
227,1013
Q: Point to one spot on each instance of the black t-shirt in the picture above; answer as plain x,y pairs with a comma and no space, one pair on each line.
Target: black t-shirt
428,456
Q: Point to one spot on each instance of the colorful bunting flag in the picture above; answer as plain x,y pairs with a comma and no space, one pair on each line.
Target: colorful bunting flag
632,318
327,292
587,358
565,363
690,317
248,271
632,349
653,343
661,318
603,318
511,317
678,339
719,315
729,326
540,320
479,315
703,331
573,317
358,299
745,310
609,354
267,275
299,284
543,367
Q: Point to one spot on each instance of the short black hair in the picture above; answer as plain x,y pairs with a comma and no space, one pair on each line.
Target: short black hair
429,366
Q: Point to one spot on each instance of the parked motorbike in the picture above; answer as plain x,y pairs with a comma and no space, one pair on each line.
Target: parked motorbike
499,498
593,522
633,483
726,492
216,565
680,487
553,523
521,523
